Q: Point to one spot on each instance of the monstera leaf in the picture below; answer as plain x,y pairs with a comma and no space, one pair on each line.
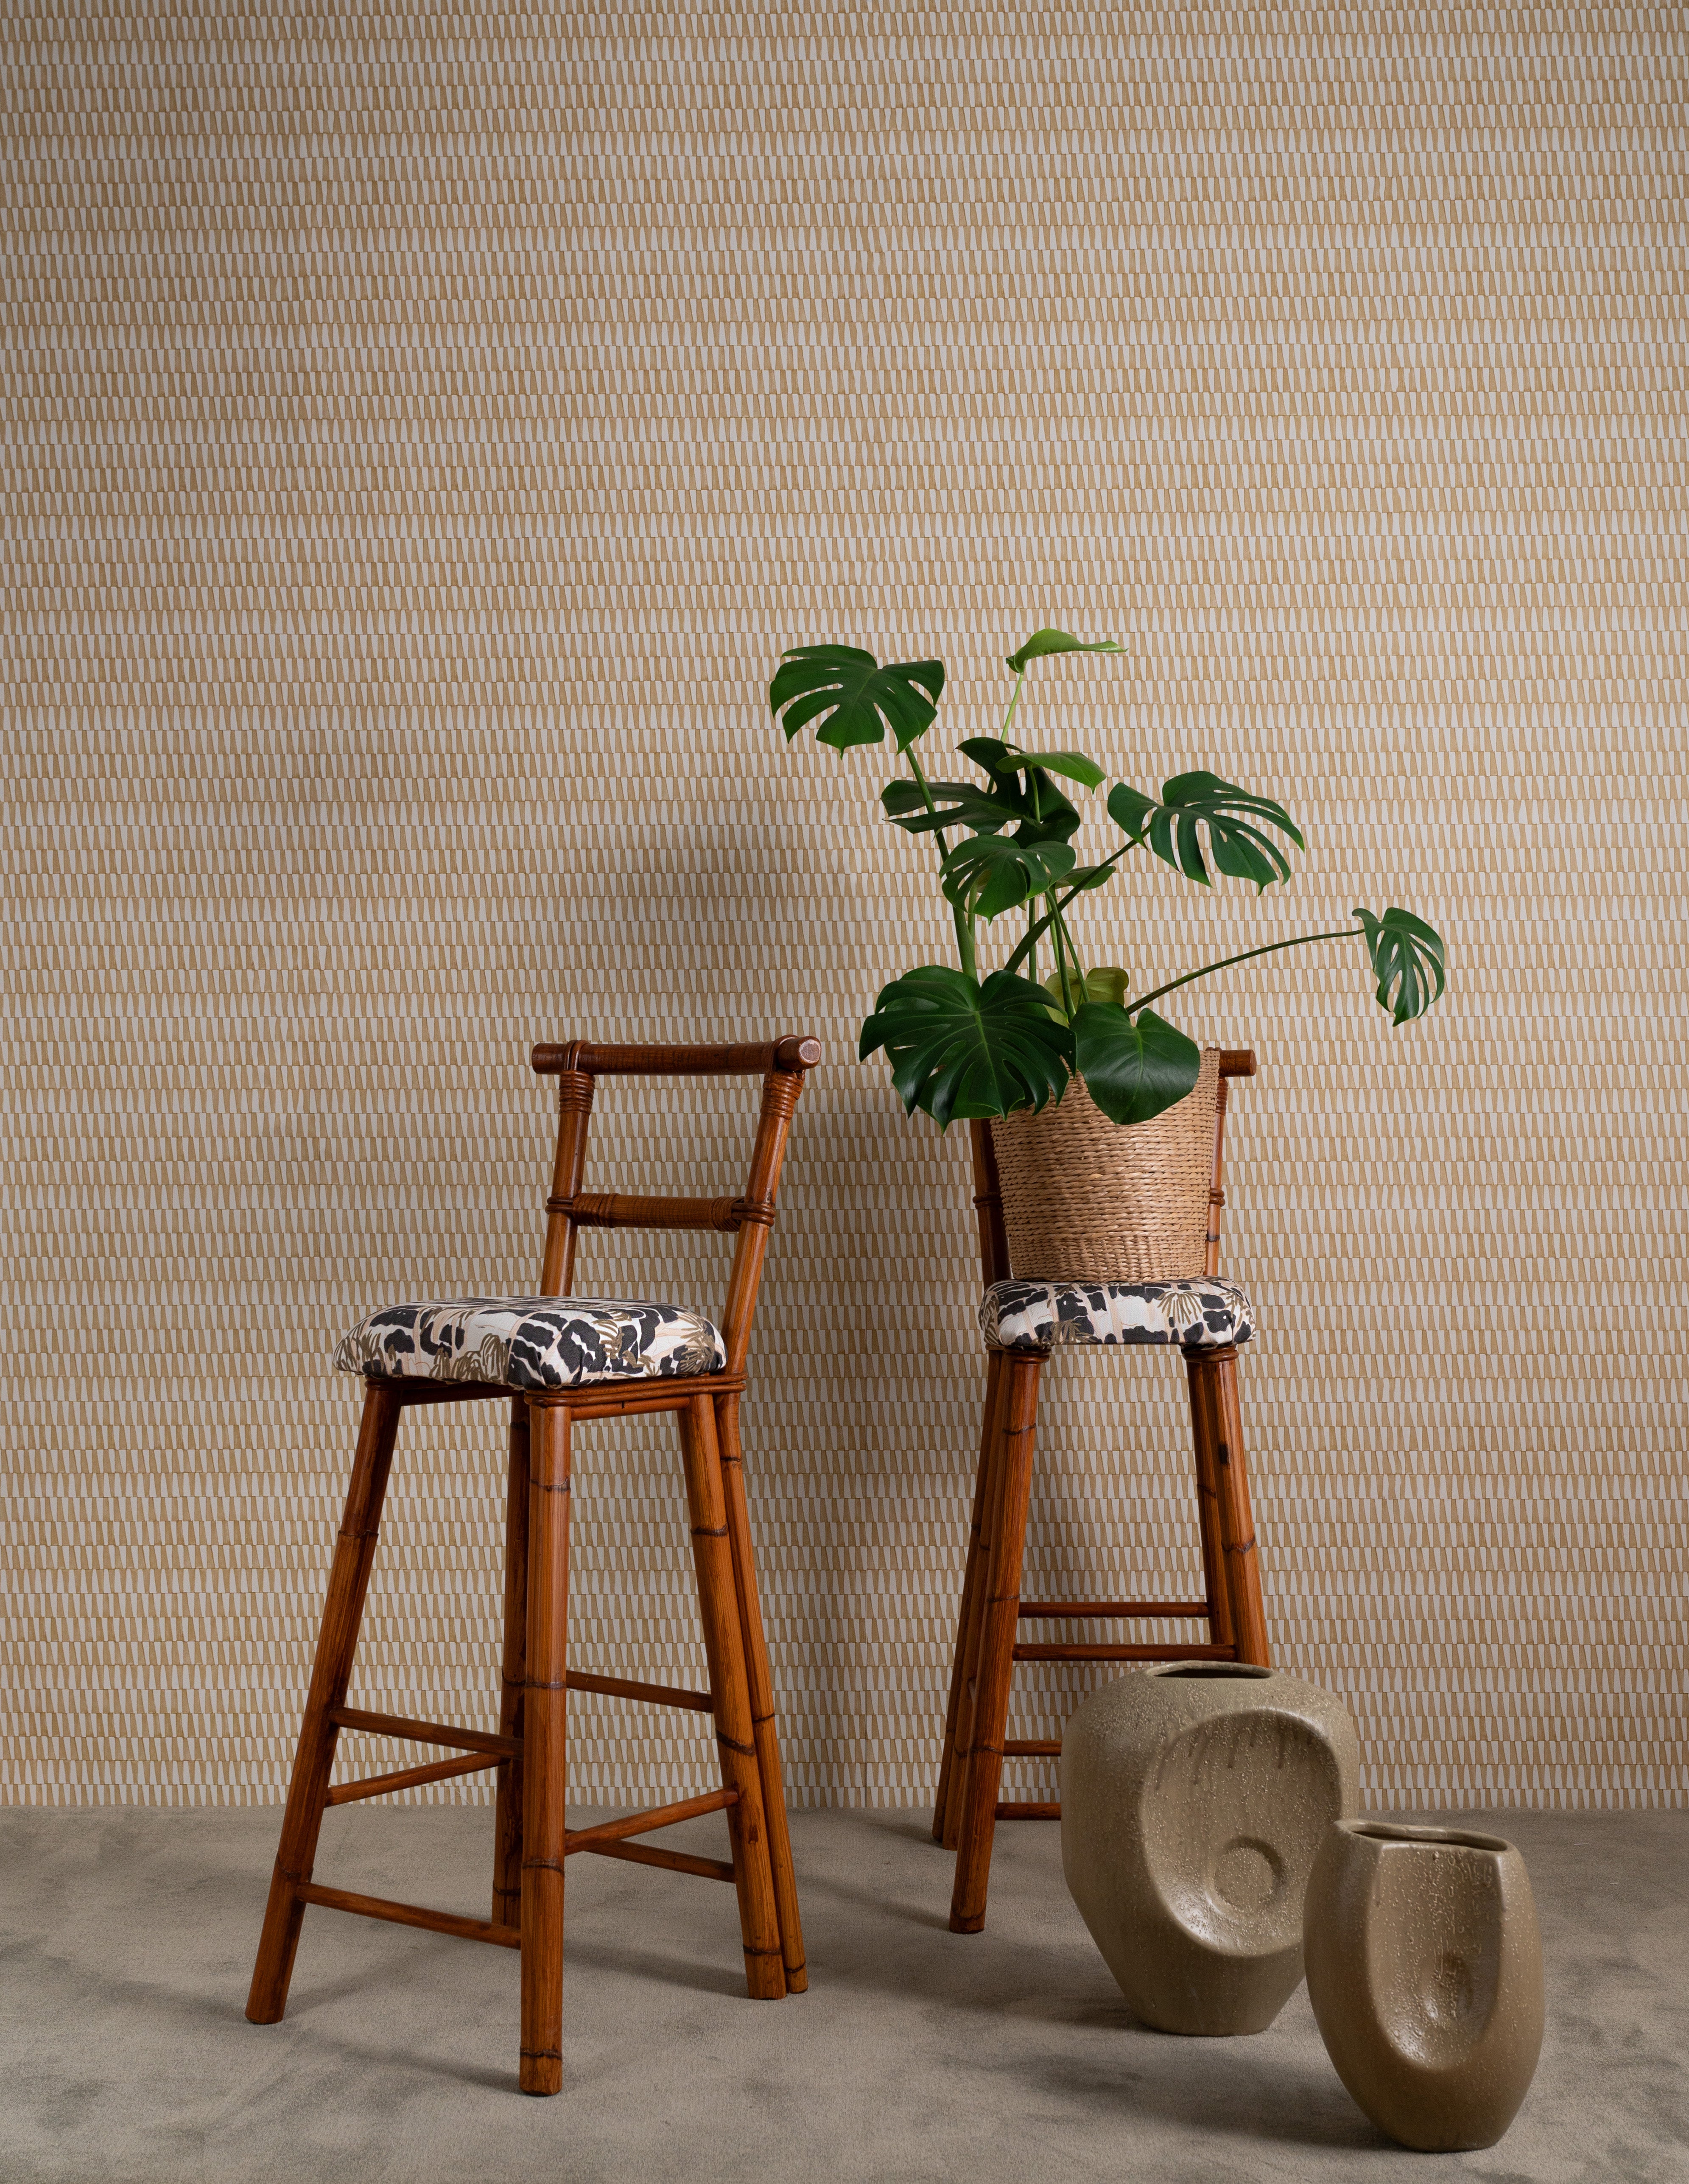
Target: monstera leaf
960,1049
955,804
1037,810
1008,760
989,875
1132,1067
1028,780
1043,643
1169,824
1408,961
853,696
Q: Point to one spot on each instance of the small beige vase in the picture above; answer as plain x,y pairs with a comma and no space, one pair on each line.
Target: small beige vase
1425,1969
1194,1799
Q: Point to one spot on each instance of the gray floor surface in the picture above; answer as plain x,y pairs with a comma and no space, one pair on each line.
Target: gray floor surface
126,1941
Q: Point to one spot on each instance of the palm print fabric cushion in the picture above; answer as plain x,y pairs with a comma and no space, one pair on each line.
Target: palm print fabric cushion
1203,1314
532,1343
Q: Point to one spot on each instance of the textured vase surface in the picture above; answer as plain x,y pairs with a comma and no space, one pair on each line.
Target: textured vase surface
1425,1969
1194,1800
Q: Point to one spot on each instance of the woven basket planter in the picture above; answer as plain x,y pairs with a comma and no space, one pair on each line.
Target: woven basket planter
1087,1201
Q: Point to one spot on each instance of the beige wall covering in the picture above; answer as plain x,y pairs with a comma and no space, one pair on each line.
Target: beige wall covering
421,433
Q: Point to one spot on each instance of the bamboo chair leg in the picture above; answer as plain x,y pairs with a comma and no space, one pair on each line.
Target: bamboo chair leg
996,1648
971,1577
1237,1522
1204,1432
761,1685
313,1760
988,1498
735,1739
973,1720
507,1831
545,1756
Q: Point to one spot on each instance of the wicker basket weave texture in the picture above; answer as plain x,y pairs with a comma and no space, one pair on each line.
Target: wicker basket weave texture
1087,1201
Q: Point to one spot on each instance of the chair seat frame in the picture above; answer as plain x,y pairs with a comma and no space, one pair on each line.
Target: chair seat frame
532,1839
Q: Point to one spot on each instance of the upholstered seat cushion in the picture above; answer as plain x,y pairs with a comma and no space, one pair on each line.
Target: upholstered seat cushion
1204,1314
532,1343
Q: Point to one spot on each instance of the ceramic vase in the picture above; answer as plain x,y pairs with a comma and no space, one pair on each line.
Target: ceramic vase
1425,1969
1194,1799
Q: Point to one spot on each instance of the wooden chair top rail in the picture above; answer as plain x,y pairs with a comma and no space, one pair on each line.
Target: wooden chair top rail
1237,1061
795,1052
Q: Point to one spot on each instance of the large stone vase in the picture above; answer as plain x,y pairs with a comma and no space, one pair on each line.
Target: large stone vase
1194,1799
1425,1970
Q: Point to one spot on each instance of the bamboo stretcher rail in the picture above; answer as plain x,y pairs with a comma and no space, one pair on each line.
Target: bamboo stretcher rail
608,1399
646,1823
598,1399
1029,1813
1032,1748
673,1861
408,1778
1121,1610
621,1687
1125,1652
410,1914
623,1210
426,1732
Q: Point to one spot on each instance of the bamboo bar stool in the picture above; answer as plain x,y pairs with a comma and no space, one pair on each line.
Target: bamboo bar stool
1023,1320
556,1359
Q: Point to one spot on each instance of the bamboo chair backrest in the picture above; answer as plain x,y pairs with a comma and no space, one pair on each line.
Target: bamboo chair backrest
988,1191
782,1063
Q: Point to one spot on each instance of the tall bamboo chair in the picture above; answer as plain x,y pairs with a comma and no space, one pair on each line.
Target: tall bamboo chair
558,1359
987,1644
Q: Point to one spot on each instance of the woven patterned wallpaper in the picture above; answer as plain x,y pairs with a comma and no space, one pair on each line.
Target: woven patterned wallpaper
420,435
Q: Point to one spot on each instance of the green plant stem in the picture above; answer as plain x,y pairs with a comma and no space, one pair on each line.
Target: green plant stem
964,923
1038,813
1072,956
1034,933
927,798
965,944
1272,948
1061,972
1020,680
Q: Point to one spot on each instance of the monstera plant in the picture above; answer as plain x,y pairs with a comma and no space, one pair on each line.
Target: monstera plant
970,1041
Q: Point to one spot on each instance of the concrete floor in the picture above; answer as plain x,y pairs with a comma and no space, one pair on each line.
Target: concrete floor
127,1941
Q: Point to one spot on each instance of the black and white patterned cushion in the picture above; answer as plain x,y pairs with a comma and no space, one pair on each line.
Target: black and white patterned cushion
532,1343
1036,1317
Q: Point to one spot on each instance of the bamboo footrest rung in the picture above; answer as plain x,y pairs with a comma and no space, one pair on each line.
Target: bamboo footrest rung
1125,1652
407,1778
426,1732
673,1861
1028,1811
647,1823
620,1687
1032,1748
1136,1611
408,1915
